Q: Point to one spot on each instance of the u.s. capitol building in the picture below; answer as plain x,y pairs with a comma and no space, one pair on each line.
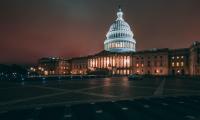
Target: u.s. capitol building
120,57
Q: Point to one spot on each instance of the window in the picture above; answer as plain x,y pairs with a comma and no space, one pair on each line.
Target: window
172,57
121,72
172,64
161,63
177,64
155,63
149,64
120,44
157,71
124,72
182,64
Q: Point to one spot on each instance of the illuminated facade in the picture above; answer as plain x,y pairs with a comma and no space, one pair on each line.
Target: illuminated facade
116,63
120,37
119,57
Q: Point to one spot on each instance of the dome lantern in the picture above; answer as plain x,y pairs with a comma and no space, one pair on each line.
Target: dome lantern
120,14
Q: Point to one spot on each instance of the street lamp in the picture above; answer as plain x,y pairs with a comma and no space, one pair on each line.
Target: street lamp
110,68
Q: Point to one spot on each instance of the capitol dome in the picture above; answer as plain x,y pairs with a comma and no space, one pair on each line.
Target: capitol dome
120,37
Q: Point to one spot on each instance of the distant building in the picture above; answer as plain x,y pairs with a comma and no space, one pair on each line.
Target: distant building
179,61
120,57
52,66
79,65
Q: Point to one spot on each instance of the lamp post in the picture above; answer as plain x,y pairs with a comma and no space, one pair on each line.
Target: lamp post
71,74
109,69
81,74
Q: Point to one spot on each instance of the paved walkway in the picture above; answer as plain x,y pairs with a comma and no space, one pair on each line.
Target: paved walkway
102,90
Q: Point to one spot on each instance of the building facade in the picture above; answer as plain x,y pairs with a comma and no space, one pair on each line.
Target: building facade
78,65
120,57
194,59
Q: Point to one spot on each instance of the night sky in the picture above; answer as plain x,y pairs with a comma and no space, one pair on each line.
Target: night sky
31,29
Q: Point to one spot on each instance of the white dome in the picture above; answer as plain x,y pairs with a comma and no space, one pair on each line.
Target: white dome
119,37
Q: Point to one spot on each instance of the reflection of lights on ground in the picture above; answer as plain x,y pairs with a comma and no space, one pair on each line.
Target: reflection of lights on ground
107,81
38,108
146,106
164,104
44,81
22,83
124,108
125,81
99,111
59,81
107,78
68,116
